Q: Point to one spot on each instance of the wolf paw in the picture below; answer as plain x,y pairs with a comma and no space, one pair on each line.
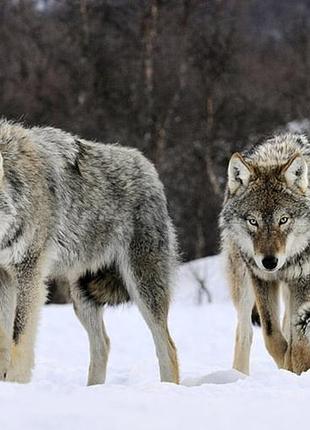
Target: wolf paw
300,356
288,360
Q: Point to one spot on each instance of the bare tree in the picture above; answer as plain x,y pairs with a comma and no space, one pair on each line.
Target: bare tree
200,276
186,81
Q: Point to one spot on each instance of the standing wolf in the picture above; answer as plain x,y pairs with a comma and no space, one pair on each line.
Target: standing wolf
265,227
88,214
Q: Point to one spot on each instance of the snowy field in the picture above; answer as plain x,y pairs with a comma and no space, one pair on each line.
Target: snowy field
211,396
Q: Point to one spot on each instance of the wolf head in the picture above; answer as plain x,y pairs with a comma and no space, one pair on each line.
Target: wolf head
267,209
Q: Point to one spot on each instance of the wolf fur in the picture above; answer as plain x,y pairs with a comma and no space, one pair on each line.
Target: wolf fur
265,231
92,216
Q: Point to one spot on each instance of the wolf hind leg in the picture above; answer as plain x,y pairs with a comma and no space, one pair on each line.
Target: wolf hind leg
165,348
148,285
90,315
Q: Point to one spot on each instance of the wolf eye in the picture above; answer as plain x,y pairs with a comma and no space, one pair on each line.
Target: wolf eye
283,220
252,221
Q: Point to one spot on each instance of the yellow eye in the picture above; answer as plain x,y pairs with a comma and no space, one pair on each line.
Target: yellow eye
283,220
253,222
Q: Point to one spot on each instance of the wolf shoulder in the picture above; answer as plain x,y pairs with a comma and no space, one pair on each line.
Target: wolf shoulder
95,162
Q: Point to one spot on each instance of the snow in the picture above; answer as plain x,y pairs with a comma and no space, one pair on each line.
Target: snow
211,396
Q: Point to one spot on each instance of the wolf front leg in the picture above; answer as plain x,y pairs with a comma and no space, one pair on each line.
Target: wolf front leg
30,297
242,293
297,358
286,323
267,300
8,292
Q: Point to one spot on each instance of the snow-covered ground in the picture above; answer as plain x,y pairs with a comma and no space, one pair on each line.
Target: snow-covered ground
211,396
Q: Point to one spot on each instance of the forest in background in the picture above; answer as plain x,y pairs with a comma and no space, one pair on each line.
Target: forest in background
186,81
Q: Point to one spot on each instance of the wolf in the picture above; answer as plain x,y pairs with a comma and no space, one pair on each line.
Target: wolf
265,236
90,216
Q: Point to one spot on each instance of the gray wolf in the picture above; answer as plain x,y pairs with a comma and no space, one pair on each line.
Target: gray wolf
88,215
265,233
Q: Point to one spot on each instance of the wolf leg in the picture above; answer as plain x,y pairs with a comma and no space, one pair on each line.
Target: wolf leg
148,285
90,315
22,352
267,299
243,297
8,292
165,348
31,295
298,354
286,323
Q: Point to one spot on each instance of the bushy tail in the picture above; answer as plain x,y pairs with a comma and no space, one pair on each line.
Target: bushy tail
105,287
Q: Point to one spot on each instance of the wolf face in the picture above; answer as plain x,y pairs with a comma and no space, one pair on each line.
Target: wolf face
267,210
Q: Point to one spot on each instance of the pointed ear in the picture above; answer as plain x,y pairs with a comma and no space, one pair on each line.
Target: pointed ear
238,172
295,172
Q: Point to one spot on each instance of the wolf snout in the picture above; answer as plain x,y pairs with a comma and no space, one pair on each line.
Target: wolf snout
270,262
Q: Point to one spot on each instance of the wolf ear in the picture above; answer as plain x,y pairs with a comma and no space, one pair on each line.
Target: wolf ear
238,172
296,172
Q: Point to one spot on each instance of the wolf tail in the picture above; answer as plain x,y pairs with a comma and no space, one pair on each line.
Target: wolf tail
105,287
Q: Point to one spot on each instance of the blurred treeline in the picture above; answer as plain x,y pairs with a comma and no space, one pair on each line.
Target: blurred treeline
185,81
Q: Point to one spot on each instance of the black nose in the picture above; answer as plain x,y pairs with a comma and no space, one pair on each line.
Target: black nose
270,262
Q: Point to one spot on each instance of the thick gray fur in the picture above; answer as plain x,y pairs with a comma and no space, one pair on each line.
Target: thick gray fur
88,214
265,228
